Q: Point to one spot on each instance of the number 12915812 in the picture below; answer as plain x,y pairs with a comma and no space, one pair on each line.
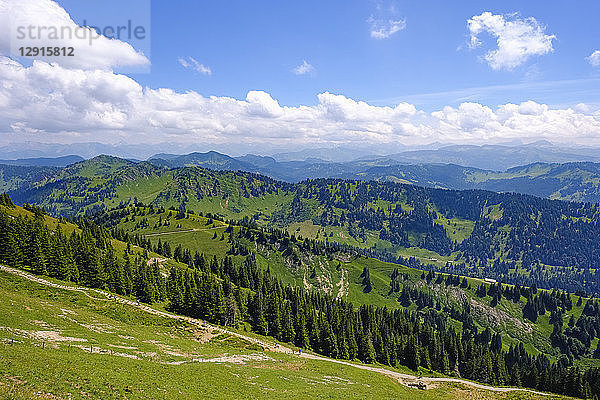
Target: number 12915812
47,51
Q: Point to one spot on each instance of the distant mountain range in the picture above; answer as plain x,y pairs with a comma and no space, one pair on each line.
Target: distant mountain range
345,163
44,161
575,181
496,157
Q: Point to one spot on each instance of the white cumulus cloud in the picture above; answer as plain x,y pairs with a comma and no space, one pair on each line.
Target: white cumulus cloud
192,63
261,104
517,39
44,23
48,102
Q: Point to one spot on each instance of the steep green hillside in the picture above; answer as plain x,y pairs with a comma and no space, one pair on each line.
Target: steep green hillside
61,231
67,345
92,185
505,310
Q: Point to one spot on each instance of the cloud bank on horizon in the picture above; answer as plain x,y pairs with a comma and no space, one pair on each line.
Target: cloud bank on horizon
67,101
50,101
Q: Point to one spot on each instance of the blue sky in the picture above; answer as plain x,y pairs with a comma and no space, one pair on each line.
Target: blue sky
255,46
267,76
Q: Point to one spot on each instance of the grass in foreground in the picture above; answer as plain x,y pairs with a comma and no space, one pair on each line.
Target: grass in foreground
68,345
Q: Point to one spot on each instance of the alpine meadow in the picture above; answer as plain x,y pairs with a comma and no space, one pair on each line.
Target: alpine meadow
321,200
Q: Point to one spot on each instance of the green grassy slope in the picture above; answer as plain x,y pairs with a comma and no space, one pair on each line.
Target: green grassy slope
65,345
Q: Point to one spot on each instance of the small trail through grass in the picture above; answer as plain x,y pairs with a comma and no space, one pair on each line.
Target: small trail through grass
405,379
184,231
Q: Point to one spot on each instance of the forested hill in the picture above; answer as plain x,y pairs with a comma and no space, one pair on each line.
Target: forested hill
577,181
505,236
573,181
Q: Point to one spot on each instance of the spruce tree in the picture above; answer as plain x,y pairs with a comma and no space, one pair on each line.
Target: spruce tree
232,312
366,351
258,315
412,354
287,323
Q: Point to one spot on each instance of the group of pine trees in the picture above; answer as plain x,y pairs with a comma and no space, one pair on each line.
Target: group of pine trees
572,279
574,340
86,256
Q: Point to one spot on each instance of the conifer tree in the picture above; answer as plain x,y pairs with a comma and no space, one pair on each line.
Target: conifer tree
258,315
220,305
366,351
413,357
287,324
34,250
328,342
